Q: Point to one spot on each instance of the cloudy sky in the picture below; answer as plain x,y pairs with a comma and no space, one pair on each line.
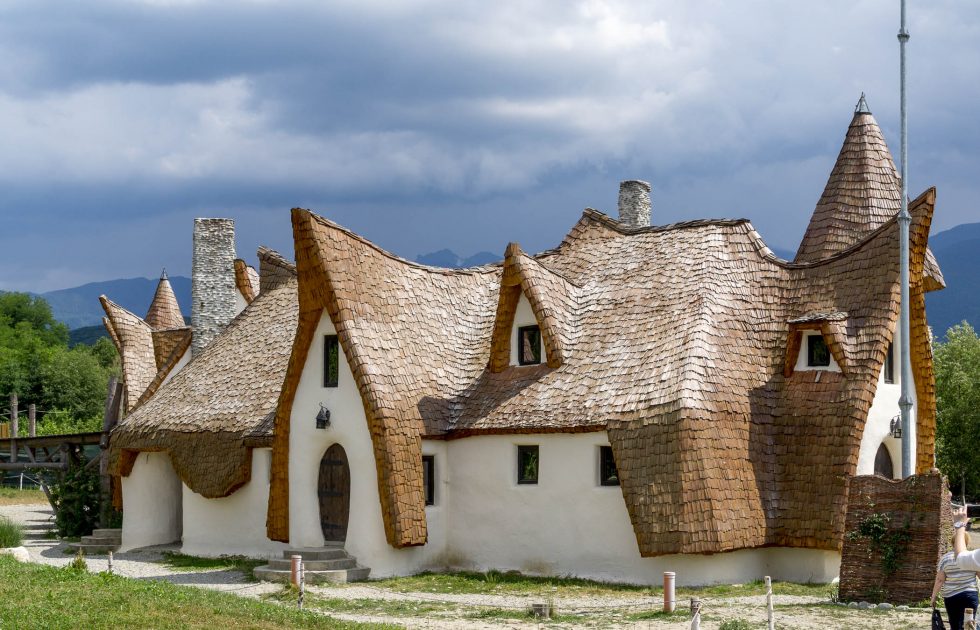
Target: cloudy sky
459,124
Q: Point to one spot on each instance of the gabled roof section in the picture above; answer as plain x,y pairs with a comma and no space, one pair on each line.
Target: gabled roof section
273,269
246,280
164,311
202,416
552,299
414,336
134,343
863,192
166,342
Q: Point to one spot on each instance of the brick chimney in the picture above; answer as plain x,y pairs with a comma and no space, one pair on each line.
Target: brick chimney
212,280
634,203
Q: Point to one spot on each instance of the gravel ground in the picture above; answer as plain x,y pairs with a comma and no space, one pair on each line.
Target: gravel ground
793,612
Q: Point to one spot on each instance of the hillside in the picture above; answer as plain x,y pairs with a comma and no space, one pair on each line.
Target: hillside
958,253
79,307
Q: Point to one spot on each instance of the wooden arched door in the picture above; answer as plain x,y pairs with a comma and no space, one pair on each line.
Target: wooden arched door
334,492
883,463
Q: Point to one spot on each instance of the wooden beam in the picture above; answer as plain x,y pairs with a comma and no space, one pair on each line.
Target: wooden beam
33,465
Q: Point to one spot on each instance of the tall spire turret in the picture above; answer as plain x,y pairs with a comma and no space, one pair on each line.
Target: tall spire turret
164,310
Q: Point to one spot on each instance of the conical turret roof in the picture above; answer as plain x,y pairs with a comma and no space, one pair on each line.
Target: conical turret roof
863,192
164,311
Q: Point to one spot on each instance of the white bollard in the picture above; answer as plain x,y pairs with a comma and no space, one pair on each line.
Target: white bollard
769,616
110,562
968,622
302,584
696,614
294,565
669,599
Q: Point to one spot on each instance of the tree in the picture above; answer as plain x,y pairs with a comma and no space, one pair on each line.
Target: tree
68,386
957,368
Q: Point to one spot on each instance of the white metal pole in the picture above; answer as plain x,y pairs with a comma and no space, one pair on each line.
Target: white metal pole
904,219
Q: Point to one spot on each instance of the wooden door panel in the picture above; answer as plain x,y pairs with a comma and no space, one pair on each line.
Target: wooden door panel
333,490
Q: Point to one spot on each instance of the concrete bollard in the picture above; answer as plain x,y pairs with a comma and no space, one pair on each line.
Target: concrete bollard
669,600
968,622
294,569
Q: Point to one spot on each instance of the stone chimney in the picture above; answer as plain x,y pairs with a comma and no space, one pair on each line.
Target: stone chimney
212,280
634,203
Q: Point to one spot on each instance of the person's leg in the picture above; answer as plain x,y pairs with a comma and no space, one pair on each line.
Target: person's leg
954,611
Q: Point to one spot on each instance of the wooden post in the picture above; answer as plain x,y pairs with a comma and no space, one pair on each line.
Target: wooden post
109,420
769,617
13,428
31,420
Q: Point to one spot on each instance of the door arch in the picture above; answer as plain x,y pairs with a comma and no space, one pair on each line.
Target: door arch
333,490
883,463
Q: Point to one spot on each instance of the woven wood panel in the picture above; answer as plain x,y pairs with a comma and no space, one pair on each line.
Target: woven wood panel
922,502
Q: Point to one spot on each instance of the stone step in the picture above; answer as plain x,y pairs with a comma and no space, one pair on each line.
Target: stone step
315,565
93,549
112,533
316,553
339,576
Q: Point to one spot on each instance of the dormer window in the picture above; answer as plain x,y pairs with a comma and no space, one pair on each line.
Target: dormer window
529,345
817,352
889,368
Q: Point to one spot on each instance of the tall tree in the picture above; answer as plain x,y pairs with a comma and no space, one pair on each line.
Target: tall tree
957,366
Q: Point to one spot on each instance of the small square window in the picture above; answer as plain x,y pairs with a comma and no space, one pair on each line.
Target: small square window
608,476
429,478
529,345
889,368
527,464
331,361
817,352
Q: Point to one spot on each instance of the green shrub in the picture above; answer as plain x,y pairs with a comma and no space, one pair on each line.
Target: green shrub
11,535
76,498
77,564
735,624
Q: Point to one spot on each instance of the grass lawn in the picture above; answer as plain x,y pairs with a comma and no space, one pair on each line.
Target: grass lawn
181,562
512,582
36,596
13,496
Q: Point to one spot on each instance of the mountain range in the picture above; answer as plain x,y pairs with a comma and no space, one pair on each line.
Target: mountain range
957,250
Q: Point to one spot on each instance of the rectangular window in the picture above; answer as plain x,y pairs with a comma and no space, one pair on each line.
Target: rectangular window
889,368
429,478
527,464
529,345
607,467
331,361
817,352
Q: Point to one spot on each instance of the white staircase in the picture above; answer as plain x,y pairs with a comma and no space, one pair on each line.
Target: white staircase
330,564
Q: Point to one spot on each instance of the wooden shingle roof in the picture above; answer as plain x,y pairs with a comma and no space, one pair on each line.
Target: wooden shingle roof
673,339
164,311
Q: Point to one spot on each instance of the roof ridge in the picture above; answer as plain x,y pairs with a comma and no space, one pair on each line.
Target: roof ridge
608,221
442,270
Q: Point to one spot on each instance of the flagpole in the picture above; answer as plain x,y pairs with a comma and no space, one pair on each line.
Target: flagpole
904,219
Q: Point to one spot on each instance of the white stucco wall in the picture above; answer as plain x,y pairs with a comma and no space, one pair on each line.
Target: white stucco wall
151,503
348,427
240,302
569,524
184,360
232,525
883,409
523,316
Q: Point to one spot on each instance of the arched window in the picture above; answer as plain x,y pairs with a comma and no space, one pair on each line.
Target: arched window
883,463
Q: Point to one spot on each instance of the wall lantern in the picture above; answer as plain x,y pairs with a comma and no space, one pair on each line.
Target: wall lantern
896,427
323,417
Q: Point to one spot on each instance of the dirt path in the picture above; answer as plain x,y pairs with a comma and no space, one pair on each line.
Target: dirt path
366,602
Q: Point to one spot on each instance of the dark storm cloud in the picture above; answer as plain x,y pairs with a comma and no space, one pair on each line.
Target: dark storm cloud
462,124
